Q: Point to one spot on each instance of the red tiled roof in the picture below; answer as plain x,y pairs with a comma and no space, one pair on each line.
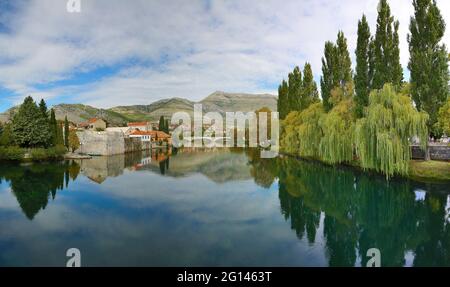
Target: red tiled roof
153,134
141,133
91,121
137,124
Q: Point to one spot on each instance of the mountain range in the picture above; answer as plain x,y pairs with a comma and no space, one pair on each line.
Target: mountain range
216,102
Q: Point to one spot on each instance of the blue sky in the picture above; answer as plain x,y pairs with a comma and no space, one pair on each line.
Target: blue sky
135,52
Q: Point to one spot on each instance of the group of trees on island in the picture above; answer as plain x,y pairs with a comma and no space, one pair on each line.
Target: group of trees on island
34,129
372,114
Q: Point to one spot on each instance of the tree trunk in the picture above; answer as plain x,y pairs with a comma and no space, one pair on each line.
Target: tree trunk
427,152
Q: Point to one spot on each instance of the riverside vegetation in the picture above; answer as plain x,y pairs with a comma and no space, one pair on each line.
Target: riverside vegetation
370,118
35,134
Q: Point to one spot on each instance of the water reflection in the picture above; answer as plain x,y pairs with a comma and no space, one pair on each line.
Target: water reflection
362,212
335,215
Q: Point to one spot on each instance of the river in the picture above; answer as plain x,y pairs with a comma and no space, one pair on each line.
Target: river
217,208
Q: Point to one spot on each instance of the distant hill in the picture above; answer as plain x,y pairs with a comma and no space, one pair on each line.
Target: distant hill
216,102
154,111
226,102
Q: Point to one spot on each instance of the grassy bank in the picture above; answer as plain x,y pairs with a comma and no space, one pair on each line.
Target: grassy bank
419,170
35,154
429,170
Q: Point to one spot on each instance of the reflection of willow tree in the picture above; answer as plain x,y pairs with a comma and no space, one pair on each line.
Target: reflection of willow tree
32,185
360,212
436,248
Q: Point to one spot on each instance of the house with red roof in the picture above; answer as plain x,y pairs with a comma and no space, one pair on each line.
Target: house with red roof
141,126
93,124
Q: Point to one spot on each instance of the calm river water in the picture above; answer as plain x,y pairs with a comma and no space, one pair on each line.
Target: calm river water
216,208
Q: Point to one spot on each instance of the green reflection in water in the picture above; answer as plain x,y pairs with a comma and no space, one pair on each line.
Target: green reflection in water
347,210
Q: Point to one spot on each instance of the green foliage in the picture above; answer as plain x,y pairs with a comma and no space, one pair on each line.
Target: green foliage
326,81
11,153
162,124
336,68
386,54
309,94
59,134
29,126
66,132
6,137
74,141
443,124
283,100
362,79
382,137
336,145
53,153
428,60
309,131
53,128
43,108
295,89
298,93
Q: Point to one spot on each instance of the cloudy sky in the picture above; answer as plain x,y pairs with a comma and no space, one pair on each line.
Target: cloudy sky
135,52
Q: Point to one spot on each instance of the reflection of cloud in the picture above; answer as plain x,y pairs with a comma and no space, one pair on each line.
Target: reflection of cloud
182,222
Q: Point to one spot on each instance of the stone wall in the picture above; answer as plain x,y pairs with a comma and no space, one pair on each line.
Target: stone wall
108,143
436,152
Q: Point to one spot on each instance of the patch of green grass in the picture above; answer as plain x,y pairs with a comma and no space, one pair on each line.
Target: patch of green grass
430,170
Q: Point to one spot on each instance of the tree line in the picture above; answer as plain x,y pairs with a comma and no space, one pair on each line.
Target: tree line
371,113
35,128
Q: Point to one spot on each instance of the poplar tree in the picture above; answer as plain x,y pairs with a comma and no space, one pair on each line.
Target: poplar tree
327,79
336,69
362,75
53,128
428,60
387,67
310,94
295,89
283,100
66,132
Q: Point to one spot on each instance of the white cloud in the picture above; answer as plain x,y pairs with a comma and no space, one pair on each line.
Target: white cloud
180,48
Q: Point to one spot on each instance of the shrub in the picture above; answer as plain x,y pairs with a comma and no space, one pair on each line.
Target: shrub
11,153
38,154
53,153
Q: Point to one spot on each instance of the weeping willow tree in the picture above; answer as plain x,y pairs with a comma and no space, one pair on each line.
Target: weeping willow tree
289,141
309,131
382,137
336,145
301,133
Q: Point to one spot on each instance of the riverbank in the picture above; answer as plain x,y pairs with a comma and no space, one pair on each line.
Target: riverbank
14,153
419,170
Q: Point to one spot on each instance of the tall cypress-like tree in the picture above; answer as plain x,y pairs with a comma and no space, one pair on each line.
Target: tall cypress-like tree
162,124
428,60
43,108
387,68
327,80
283,100
344,64
336,68
295,89
362,76
309,88
66,132
53,128
59,134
